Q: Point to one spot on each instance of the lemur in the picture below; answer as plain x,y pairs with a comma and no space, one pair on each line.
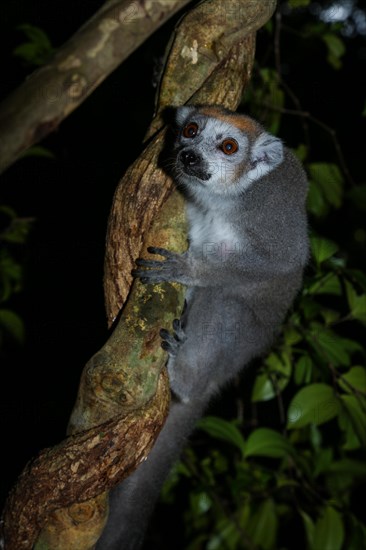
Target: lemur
248,244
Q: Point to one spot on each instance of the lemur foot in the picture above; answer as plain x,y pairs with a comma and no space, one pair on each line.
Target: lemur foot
172,342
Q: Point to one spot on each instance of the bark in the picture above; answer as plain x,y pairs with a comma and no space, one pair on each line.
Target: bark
124,394
77,469
51,93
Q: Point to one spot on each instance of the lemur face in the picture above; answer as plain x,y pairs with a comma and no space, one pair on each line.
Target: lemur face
221,151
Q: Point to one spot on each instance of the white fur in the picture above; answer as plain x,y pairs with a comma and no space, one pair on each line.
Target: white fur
208,228
266,154
212,234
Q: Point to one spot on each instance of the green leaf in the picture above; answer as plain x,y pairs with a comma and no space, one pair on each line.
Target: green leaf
263,525
276,376
322,249
200,503
357,303
8,211
28,52
280,366
269,26
263,388
226,537
38,50
178,471
301,152
357,537
271,93
298,3
303,370
331,347
356,378
358,195
358,277
316,438
36,35
336,49
38,151
329,530
323,459
17,232
309,308
313,404
222,429
267,442
291,336
350,440
330,316
348,466
309,528
315,202
355,409
13,324
328,179
327,284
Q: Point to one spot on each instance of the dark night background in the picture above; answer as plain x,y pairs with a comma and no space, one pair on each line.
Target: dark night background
69,198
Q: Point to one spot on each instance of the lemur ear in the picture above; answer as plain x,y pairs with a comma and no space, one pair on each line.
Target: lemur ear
182,113
267,153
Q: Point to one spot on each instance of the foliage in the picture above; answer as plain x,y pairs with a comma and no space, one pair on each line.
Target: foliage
306,471
303,466
14,231
13,234
37,50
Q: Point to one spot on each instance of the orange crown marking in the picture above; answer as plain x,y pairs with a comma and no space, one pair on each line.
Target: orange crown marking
241,122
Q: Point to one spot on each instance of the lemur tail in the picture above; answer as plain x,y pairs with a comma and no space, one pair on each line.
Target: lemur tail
132,502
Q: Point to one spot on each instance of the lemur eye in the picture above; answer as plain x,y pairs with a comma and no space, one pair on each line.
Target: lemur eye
229,146
190,131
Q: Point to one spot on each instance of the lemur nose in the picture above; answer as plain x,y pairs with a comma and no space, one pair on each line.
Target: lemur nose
189,158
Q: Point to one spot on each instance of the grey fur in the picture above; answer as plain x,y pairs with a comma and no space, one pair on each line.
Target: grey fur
248,248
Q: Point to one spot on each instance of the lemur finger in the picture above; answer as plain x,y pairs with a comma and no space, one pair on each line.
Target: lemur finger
148,263
169,347
144,276
164,334
160,251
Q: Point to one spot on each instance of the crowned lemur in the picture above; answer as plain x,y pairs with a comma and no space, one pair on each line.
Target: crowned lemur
248,245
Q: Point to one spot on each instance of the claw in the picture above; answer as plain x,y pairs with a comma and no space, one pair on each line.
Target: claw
176,325
170,342
165,345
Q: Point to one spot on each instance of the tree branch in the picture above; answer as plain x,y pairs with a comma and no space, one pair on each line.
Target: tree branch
51,93
77,469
